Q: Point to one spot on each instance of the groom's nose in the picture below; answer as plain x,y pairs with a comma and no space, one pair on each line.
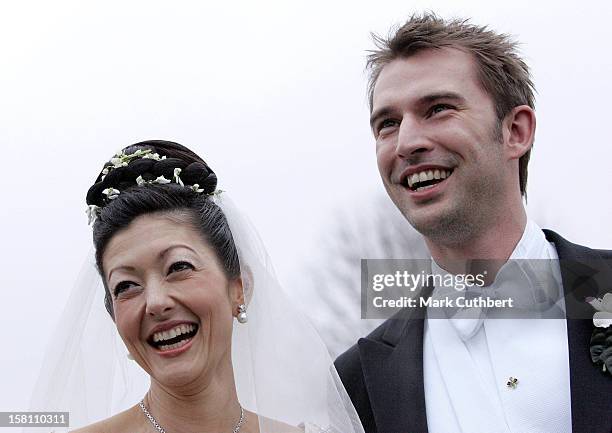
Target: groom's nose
412,138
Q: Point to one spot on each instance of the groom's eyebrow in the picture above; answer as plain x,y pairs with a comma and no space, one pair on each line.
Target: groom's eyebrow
422,101
377,114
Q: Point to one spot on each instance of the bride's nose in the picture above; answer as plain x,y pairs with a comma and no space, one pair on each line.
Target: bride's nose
158,299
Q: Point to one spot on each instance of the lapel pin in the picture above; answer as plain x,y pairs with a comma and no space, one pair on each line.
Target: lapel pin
512,382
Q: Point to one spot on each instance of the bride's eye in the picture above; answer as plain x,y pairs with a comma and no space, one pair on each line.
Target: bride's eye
179,266
123,286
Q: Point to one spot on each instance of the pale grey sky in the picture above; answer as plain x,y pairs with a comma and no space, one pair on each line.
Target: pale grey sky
273,95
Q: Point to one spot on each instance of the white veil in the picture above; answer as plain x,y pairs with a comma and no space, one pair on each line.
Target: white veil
282,368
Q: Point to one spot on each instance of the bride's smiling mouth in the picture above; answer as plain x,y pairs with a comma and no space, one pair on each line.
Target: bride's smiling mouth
168,339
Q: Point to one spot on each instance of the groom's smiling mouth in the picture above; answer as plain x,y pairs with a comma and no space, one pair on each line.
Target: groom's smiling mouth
172,337
425,178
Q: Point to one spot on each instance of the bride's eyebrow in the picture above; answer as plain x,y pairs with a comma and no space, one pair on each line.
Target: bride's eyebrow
126,268
160,256
172,247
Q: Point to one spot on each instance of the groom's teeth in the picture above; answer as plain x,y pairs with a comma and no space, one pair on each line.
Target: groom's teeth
426,175
423,187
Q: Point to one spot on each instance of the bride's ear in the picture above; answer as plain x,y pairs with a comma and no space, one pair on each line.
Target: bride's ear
237,292
247,284
108,302
241,288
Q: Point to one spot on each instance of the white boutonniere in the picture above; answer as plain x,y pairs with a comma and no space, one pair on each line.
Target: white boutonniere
603,317
601,339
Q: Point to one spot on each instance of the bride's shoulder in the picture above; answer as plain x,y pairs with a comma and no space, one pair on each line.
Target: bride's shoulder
122,422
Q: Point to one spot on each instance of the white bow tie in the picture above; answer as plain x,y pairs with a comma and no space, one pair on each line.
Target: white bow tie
529,283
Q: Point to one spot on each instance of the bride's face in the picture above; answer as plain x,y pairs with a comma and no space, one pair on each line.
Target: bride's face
173,304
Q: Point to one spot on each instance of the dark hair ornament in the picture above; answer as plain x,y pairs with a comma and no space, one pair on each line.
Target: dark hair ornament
145,167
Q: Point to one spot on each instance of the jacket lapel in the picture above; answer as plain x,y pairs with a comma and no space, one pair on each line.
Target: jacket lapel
393,373
393,367
584,273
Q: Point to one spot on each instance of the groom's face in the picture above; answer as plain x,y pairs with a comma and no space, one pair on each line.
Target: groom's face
438,142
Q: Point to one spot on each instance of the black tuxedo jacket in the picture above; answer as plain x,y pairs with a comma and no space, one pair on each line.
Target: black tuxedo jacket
383,372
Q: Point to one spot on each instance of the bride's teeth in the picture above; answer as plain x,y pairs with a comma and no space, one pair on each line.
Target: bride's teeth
443,174
436,174
173,346
171,333
422,177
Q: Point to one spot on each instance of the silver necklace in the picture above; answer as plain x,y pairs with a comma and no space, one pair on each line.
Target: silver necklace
160,429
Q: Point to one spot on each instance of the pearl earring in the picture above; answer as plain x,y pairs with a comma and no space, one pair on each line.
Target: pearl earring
129,356
242,315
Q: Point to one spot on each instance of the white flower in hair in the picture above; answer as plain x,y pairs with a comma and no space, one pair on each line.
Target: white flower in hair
603,317
111,193
105,172
161,180
140,181
139,152
92,213
196,187
177,179
118,162
154,156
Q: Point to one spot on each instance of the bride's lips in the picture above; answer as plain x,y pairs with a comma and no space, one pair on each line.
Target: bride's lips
170,353
172,338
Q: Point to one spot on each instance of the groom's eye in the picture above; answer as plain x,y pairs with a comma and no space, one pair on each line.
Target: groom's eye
385,125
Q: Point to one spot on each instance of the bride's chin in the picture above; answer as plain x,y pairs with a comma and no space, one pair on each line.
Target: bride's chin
180,371
179,376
